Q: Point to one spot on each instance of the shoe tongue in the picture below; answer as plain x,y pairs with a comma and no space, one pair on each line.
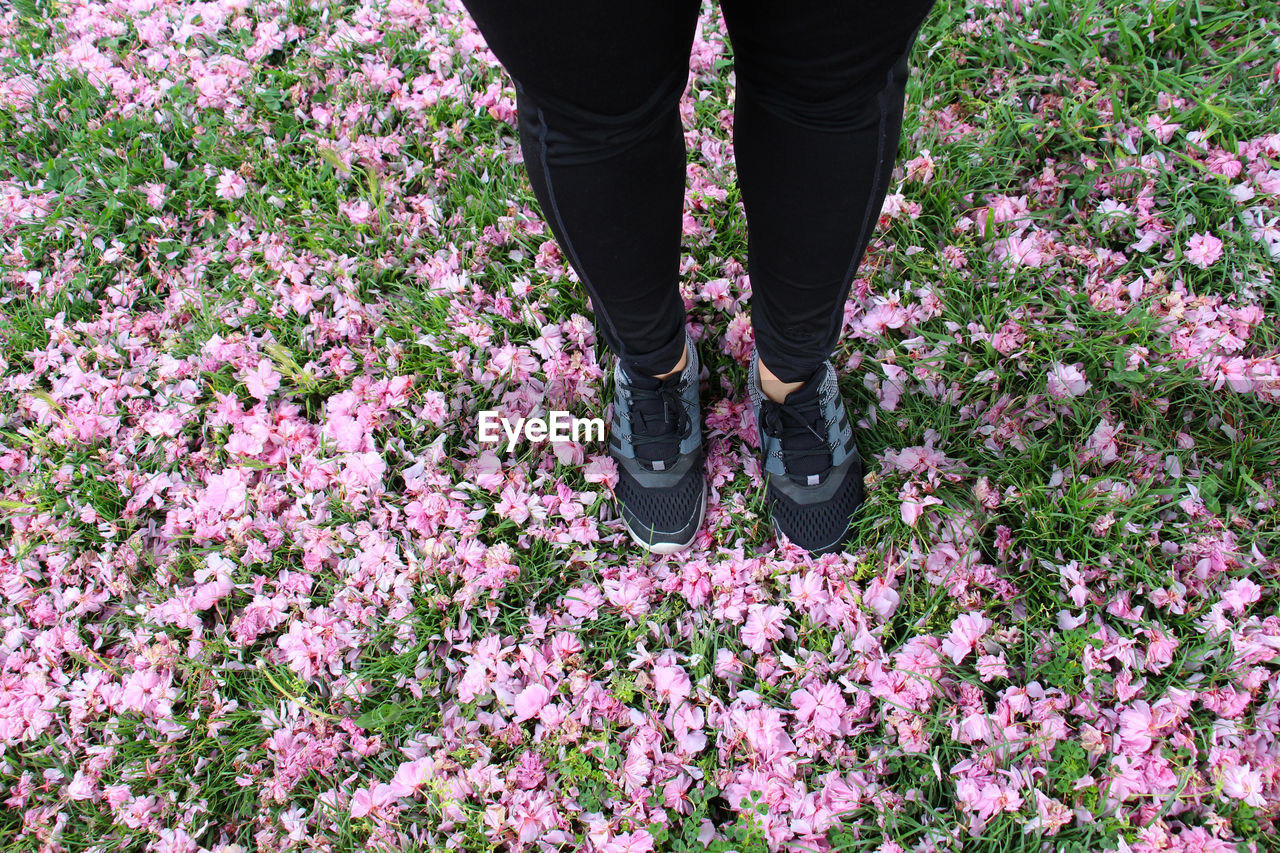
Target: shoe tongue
649,383
807,394
650,416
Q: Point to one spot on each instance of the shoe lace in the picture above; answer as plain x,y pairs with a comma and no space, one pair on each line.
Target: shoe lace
798,426
648,427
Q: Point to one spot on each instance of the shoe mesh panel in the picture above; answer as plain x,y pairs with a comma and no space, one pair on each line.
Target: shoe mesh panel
816,525
662,510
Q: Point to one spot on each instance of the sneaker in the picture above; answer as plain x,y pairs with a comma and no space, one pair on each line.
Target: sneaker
812,467
655,436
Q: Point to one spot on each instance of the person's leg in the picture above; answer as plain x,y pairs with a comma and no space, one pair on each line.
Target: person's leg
820,96
597,94
598,87
820,91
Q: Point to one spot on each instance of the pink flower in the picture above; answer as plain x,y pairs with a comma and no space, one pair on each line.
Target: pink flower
628,596
1268,181
883,317
639,841
359,212
486,471
347,433
808,592
227,492
1127,781
975,727
966,630
635,770
262,380
361,802
1242,193
728,666
686,725
914,504
763,626
81,787
1241,782
156,194
822,706
362,470
601,469
1067,380
1052,815
530,701
1232,372
765,731
672,683
675,794
992,666
1005,208
231,185
531,814
1018,251
410,776
890,390
1240,594
209,594
1222,163
981,797
881,597
920,168
1203,250
1161,129
896,205
364,801
719,293
1138,728
583,602
530,770
739,337
1102,443
1160,650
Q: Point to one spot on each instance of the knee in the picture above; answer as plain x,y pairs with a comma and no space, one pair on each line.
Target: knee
822,101
574,133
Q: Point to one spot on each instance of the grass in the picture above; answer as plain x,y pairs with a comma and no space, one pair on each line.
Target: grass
200,267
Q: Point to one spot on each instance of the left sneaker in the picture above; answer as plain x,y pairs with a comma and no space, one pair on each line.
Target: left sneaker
812,467
655,436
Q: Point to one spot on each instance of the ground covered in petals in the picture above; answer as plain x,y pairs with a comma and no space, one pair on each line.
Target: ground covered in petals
264,589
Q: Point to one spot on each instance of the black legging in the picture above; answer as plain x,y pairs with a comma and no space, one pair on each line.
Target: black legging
817,118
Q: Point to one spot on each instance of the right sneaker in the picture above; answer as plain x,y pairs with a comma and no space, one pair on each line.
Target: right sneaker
812,467
655,436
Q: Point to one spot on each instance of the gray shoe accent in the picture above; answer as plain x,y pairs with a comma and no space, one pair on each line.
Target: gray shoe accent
815,494
664,479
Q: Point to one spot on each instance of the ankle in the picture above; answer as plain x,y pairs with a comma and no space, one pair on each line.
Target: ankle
680,365
773,387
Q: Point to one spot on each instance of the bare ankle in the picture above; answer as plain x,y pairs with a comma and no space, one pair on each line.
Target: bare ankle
773,387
